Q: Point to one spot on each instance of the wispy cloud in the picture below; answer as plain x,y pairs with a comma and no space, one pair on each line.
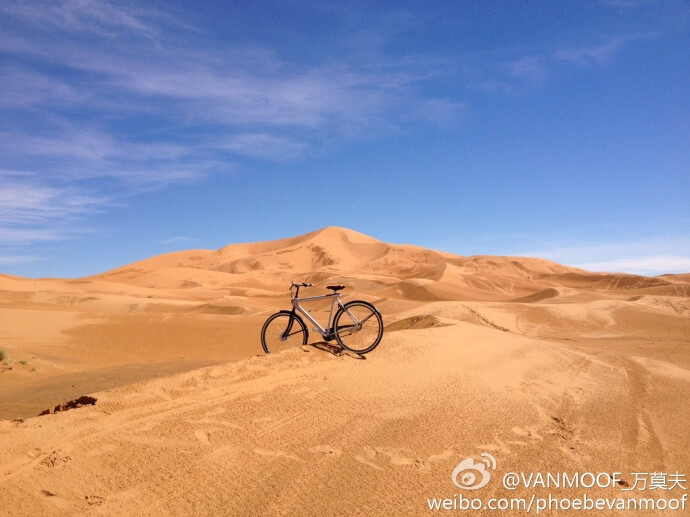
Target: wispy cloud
649,265
119,92
652,256
441,112
264,145
30,88
176,240
216,86
527,68
83,16
240,92
26,199
11,260
627,4
31,210
598,54
82,152
519,71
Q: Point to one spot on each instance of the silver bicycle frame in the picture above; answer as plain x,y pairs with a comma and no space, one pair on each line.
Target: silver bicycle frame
336,298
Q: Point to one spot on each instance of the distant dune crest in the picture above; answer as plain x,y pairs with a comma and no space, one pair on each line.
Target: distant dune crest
362,261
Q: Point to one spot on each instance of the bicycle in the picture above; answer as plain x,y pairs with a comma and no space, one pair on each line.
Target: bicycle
356,325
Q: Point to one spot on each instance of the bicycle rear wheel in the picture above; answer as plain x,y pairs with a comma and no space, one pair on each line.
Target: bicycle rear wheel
283,331
358,328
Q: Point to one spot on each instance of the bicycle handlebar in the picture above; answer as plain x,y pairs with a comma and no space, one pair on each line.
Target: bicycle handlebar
304,284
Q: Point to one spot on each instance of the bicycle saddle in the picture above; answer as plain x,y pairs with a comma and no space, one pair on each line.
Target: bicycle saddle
335,287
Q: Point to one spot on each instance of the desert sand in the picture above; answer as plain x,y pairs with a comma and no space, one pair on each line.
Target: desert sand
548,368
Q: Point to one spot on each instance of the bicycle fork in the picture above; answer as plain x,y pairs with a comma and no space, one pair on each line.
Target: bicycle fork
286,332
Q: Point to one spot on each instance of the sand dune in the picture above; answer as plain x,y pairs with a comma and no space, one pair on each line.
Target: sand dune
517,357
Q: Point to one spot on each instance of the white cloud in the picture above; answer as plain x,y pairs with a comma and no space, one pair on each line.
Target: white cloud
653,256
31,210
516,71
28,201
31,88
441,112
83,16
650,265
214,85
627,4
264,145
175,240
527,68
20,236
600,53
10,260
78,153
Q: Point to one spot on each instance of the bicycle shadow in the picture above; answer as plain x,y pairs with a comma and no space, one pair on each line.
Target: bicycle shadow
335,350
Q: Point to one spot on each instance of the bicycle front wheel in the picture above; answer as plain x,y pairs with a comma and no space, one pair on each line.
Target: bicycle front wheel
359,327
282,331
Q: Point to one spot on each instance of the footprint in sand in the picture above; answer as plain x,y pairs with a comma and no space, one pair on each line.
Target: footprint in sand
94,500
277,454
444,456
203,436
216,372
163,394
126,495
56,500
526,434
308,392
368,457
107,448
55,459
520,431
398,458
395,456
34,453
499,447
214,422
148,426
313,394
560,428
326,450
190,383
219,410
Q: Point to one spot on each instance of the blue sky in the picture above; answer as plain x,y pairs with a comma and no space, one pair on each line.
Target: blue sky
552,129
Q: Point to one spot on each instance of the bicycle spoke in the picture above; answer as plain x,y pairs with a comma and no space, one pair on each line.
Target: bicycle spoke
359,327
365,319
349,329
282,332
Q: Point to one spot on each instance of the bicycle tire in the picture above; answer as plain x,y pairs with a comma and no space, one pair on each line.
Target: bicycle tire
278,332
365,339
